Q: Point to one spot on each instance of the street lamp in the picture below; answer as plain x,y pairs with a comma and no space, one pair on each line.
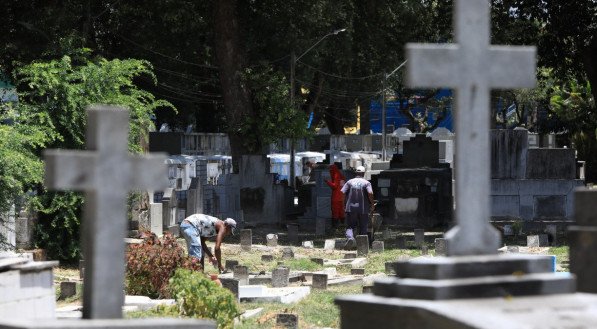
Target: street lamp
383,109
293,60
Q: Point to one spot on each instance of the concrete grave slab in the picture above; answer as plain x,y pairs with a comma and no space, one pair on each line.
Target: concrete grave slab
286,295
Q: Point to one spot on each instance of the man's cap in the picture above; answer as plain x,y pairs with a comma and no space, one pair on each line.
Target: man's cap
232,223
360,169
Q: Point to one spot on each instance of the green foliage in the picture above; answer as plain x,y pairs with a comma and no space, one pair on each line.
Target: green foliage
276,117
200,297
151,264
57,92
20,167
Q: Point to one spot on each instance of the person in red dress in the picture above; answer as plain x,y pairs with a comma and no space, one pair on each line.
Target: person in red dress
336,183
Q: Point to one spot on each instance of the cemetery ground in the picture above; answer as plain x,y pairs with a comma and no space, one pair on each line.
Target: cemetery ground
316,310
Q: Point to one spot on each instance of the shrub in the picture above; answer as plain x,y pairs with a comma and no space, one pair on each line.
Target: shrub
199,297
150,265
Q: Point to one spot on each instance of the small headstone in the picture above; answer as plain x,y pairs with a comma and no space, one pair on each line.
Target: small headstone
367,289
390,267
280,277
362,245
174,230
271,240
134,225
508,230
441,246
286,320
552,233
357,271
512,249
246,239
350,255
267,258
230,284
39,255
424,250
377,246
308,244
241,273
419,237
329,244
401,242
318,261
230,264
387,234
287,253
293,234
320,281
320,226
537,240
67,289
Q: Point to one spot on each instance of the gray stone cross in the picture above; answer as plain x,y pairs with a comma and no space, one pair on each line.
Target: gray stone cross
106,172
471,67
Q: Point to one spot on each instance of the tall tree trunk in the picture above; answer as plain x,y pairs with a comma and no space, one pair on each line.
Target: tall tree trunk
236,94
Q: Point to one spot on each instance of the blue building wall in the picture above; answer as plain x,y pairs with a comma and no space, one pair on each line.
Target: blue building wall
396,119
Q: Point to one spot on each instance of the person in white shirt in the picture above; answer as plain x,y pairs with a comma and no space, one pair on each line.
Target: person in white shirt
199,227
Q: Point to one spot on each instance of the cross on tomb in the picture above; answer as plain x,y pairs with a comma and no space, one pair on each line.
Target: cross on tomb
106,172
471,67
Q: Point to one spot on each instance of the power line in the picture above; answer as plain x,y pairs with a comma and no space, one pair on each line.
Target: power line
164,55
339,76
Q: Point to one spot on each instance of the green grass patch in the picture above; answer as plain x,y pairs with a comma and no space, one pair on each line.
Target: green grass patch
562,257
316,310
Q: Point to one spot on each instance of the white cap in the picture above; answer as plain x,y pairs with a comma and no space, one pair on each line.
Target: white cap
232,223
360,169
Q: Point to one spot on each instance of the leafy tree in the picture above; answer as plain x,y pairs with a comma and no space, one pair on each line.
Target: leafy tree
59,91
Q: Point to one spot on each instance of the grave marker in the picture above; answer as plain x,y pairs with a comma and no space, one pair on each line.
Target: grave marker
329,244
230,264
362,245
271,240
472,67
231,284
377,246
280,277
287,320
287,253
241,273
419,237
320,281
292,234
267,258
440,247
105,172
246,239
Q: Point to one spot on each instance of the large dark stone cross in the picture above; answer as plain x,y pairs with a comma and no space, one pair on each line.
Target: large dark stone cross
106,172
472,67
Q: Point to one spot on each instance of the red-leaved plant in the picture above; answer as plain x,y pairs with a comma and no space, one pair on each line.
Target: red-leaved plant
150,264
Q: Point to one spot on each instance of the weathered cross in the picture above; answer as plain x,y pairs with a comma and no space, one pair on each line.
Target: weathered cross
106,172
471,67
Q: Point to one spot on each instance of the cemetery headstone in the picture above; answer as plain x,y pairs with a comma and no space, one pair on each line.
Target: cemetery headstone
583,240
357,271
508,231
539,240
419,237
320,281
387,234
241,273
246,239
390,267
472,68
67,289
377,246
105,172
329,244
267,258
367,289
287,320
362,245
440,247
424,250
552,233
231,284
287,253
401,242
271,240
280,277
308,244
230,264
350,255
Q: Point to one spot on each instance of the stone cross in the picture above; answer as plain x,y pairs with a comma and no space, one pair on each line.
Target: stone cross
105,172
471,67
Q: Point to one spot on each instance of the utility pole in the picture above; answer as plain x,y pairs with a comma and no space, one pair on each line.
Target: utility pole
383,109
